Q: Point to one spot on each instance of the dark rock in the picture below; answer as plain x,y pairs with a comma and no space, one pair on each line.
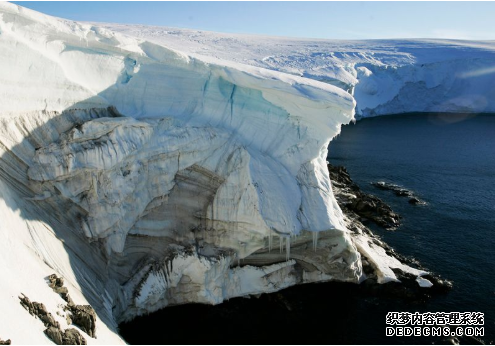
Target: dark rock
374,209
414,200
52,279
59,282
68,299
73,337
6,342
27,304
68,337
61,290
360,207
399,191
84,316
54,334
48,320
364,205
439,285
39,310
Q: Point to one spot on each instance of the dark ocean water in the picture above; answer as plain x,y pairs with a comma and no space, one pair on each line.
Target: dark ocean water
449,162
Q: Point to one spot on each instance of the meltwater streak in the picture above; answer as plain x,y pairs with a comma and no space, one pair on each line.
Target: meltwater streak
448,160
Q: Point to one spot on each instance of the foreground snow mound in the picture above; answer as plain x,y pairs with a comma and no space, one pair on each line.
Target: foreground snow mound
147,178
385,76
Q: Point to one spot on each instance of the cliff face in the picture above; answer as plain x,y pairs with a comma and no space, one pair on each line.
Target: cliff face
148,178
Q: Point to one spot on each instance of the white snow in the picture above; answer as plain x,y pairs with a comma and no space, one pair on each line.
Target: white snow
422,282
384,263
385,76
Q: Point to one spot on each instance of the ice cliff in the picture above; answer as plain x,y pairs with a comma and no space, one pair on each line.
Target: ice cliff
385,76
147,177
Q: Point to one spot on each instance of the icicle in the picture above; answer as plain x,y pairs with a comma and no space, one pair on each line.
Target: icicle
287,248
315,240
281,244
270,241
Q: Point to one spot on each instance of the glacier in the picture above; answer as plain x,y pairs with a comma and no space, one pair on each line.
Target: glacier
384,76
148,175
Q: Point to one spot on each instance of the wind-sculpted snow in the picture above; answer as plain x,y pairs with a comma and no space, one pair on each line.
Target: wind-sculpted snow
146,177
385,76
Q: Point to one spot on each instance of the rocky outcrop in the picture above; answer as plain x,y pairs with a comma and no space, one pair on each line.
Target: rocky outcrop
53,331
5,342
39,310
57,284
413,284
68,337
365,205
83,316
399,191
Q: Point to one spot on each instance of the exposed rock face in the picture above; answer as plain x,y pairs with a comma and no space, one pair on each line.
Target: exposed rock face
84,316
6,342
381,263
39,310
365,205
54,334
73,337
53,331
399,191
68,337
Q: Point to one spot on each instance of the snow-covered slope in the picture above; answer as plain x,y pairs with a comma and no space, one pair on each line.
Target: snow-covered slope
385,76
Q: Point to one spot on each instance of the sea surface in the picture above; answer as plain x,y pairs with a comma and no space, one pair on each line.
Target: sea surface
446,160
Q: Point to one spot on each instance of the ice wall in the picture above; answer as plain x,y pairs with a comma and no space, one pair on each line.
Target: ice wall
385,76
141,160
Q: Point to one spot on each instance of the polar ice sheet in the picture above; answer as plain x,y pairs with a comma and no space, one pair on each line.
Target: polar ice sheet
385,76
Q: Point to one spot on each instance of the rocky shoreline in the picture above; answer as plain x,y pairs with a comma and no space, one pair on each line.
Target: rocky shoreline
399,191
359,208
352,200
